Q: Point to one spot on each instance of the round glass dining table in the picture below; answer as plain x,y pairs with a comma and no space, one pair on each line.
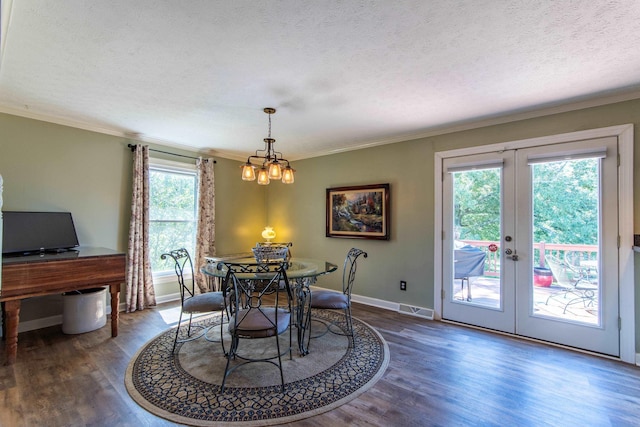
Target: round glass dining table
301,273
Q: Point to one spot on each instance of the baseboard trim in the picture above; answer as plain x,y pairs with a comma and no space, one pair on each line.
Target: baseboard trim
424,313
122,307
168,298
44,322
375,302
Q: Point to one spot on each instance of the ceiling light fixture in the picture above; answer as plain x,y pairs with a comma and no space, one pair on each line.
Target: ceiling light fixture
271,162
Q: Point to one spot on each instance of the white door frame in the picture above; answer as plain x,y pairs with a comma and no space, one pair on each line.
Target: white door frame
624,133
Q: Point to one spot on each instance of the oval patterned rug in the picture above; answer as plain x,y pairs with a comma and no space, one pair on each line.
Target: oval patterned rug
185,387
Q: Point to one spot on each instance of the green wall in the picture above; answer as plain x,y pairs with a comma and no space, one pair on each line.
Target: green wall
240,209
52,167
47,166
298,214
408,167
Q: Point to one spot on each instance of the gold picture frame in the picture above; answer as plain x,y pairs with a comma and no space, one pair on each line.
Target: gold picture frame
358,212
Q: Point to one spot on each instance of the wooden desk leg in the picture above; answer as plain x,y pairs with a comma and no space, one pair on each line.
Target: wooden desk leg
4,321
12,317
115,302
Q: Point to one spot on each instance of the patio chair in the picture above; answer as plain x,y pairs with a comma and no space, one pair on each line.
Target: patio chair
578,260
572,284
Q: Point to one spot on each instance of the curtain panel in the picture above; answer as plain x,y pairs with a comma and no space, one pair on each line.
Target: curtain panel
206,229
140,293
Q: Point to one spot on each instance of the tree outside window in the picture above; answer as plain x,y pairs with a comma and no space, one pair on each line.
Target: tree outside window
565,203
172,213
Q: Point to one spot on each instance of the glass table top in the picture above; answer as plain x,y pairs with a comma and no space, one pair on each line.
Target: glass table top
298,267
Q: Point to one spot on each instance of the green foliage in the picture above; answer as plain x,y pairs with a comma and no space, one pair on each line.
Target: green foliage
477,204
172,196
165,236
565,203
172,213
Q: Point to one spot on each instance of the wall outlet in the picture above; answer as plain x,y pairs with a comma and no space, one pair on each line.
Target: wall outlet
403,285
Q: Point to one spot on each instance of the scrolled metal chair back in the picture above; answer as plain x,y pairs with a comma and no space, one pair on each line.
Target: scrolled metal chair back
349,270
182,265
248,293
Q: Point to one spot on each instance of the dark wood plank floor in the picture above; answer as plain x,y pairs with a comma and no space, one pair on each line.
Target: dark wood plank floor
439,375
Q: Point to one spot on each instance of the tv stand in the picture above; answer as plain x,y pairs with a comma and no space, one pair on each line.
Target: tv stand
55,273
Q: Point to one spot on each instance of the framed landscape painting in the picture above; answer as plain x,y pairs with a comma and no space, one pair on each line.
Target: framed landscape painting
360,212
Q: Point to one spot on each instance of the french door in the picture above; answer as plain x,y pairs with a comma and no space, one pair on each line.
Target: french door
530,242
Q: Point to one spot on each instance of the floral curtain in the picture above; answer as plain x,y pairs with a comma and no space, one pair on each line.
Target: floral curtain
140,293
206,231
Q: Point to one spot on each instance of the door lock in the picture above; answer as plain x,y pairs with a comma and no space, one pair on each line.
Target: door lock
511,254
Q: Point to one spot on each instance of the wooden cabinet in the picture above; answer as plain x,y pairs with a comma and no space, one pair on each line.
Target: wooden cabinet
55,273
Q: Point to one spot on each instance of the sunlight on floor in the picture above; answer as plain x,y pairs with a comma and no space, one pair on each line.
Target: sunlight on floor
172,315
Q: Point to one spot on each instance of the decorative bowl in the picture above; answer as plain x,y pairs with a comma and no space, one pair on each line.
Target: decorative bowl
270,253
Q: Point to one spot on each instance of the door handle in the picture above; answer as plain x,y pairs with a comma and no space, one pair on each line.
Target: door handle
511,254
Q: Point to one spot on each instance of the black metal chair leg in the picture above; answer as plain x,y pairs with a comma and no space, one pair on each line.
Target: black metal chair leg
175,341
280,361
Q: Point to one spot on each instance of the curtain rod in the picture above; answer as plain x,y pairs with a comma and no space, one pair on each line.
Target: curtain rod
133,148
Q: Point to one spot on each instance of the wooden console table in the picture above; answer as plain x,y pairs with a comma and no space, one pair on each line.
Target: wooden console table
54,273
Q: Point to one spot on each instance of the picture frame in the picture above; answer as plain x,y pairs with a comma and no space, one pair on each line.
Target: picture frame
358,212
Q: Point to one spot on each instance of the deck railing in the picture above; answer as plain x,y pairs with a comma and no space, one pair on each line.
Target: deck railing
559,250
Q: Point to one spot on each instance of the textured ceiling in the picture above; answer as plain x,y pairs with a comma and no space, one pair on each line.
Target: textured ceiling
341,74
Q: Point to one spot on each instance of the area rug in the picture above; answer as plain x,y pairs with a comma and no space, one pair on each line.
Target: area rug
185,387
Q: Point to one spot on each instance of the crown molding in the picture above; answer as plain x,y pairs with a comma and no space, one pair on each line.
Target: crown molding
476,124
93,127
435,131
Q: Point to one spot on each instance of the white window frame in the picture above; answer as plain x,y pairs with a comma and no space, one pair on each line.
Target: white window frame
179,167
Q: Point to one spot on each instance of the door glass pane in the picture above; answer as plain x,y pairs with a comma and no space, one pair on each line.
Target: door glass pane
476,254
566,240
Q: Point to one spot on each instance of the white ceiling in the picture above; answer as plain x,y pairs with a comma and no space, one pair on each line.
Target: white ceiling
341,74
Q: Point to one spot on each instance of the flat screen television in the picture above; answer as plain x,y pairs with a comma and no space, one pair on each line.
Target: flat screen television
28,232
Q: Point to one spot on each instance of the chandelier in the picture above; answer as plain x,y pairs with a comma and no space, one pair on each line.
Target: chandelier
270,162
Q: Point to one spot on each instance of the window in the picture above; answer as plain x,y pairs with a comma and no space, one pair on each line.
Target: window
173,197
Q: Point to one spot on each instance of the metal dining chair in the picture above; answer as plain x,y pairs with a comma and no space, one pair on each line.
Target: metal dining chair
192,303
258,311
331,300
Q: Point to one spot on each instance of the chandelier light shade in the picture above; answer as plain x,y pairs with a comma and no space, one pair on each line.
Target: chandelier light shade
268,162
287,175
263,176
248,173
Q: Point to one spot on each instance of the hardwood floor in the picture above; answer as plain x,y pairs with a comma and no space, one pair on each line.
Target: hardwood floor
439,375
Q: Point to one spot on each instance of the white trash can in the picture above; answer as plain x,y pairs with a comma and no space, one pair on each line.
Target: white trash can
84,310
